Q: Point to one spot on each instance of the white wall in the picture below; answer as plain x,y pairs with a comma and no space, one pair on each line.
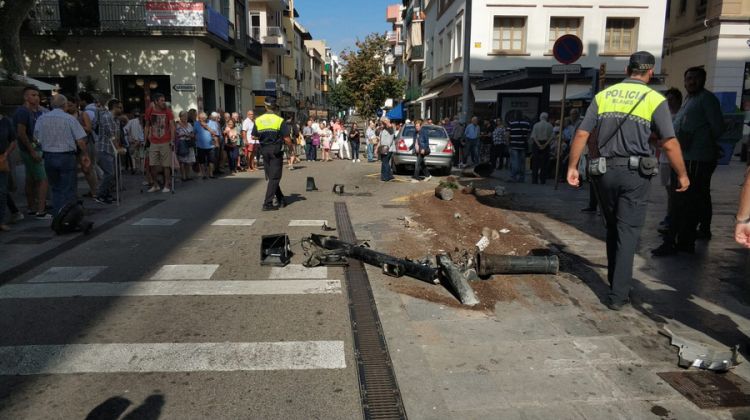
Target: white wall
651,15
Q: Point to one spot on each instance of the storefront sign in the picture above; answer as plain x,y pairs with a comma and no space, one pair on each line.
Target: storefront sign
184,88
527,104
175,14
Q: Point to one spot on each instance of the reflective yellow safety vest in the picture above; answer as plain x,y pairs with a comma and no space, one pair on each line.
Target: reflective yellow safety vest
615,105
268,127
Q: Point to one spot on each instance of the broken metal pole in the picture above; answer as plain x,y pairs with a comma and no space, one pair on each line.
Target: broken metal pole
390,265
488,265
456,280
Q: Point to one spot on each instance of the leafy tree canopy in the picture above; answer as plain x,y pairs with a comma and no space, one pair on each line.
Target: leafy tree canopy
364,77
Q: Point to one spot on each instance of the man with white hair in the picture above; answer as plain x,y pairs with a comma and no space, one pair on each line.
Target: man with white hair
61,138
215,128
541,137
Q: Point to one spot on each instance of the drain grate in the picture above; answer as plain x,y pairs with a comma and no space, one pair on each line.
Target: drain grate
381,398
709,389
29,240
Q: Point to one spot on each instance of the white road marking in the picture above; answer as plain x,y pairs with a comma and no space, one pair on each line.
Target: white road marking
65,274
171,288
307,222
171,357
185,272
298,271
147,221
233,222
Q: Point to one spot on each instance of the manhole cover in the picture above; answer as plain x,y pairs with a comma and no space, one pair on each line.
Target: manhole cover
28,240
710,390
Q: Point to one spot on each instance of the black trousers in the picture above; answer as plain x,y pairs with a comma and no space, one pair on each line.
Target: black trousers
497,156
692,206
273,166
623,196
539,160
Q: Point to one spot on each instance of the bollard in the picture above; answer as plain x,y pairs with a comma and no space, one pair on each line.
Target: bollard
311,184
507,264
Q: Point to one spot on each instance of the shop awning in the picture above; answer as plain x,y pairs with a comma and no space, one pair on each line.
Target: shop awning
427,97
397,113
484,96
44,86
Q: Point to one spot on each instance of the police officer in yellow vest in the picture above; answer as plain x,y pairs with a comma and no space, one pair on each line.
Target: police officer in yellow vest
272,132
622,163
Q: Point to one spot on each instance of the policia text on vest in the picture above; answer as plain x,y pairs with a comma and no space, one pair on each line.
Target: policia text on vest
273,133
623,190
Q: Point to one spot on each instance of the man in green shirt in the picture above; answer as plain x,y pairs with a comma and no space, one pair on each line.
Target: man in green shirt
699,123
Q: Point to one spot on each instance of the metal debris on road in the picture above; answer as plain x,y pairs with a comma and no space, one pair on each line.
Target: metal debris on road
695,354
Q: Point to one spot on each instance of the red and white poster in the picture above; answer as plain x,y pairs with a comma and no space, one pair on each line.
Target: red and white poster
177,13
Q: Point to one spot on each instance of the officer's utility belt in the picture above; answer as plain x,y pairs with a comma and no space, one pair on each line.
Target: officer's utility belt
646,166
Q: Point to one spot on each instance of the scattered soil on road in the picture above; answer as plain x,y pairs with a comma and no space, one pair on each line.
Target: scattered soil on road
454,227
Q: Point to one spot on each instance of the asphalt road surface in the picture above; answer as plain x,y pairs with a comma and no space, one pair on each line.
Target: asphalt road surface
171,315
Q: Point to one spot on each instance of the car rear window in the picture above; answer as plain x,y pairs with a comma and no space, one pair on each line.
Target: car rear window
435,132
408,131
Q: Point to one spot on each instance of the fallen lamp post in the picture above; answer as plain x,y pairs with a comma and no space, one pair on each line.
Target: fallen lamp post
333,251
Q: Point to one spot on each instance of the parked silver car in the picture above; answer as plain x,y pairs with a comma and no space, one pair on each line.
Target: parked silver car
441,149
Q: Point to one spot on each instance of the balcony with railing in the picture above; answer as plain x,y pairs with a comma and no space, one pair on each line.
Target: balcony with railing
271,38
416,53
140,18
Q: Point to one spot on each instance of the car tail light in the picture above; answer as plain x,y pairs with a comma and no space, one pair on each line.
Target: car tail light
448,147
402,146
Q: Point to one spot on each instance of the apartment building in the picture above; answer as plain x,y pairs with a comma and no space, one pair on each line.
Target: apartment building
511,50
269,25
198,54
714,34
394,61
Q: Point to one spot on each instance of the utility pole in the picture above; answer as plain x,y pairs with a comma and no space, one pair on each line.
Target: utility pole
294,60
465,106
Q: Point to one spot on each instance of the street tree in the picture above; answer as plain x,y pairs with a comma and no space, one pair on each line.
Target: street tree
364,76
12,15
340,97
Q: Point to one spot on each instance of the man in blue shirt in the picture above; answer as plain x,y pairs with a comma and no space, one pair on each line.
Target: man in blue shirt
205,144
472,141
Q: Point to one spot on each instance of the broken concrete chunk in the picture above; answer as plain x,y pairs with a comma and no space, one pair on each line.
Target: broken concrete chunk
443,193
456,215
483,243
504,231
494,235
468,189
500,191
486,232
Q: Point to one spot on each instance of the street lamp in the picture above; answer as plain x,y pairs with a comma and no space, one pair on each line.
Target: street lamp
237,68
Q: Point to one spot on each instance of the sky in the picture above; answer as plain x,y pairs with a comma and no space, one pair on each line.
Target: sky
341,22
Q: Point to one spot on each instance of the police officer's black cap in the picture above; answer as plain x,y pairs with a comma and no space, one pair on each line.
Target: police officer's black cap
270,102
642,60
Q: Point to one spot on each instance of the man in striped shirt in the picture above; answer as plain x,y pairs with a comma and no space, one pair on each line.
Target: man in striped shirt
61,137
519,129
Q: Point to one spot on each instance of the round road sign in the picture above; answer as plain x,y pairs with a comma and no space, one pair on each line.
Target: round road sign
567,49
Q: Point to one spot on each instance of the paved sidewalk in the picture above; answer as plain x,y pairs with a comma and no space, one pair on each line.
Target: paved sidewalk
572,358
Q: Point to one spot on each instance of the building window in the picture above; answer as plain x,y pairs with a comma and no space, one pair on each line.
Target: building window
700,9
439,54
509,34
559,26
443,5
449,48
459,40
621,36
683,8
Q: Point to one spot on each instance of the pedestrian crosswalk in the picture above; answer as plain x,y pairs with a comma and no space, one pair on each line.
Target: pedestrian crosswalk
170,357
171,280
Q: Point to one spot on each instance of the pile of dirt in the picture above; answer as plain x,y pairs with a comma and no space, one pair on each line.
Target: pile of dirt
454,227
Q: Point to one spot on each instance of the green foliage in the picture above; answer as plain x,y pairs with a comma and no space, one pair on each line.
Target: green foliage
340,97
448,184
364,77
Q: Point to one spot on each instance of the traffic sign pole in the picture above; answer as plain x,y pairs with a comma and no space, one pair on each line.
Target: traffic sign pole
559,137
